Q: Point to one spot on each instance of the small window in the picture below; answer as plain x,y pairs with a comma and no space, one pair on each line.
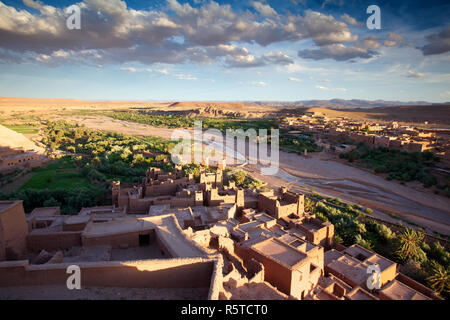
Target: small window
144,240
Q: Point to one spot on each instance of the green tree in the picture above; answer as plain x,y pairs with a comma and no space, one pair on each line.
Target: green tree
439,279
410,246
239,178
51,202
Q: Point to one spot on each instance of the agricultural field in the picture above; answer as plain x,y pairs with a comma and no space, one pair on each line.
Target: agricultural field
24,128
60,175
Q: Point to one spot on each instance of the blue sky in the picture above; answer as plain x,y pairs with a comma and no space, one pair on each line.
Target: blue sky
226,50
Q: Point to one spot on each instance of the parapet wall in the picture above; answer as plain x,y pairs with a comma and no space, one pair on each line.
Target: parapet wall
53,240
417,286
167,273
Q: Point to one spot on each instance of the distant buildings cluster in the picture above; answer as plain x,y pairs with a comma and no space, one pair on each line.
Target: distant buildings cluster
393,135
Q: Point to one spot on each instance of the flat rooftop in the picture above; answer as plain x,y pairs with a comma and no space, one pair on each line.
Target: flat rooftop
356,250
382,262
350,268
360,294
396,290
77,219
167,230
117,227
250,225
279,251
45,212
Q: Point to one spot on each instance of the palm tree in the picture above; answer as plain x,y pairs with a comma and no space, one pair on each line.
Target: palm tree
439,279
410,241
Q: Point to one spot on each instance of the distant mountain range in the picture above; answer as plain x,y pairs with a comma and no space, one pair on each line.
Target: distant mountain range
344,104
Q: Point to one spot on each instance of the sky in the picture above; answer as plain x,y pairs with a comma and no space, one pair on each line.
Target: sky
198,50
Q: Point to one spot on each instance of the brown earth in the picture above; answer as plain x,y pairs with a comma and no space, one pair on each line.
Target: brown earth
435,115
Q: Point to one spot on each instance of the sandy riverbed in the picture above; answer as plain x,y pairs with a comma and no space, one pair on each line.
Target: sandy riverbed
332,178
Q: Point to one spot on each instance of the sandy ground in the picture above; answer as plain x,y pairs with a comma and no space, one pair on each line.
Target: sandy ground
327,177
131,128
55,292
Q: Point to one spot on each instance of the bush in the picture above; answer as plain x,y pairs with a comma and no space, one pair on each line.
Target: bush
51,202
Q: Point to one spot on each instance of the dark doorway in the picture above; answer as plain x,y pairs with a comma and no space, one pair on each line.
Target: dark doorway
144,240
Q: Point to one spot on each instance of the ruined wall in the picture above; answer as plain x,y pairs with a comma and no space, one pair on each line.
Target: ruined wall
14,229
173,273
268,205
216,284
396,144
216,199
53,241
140,205
322,235
176,202
361,138
274,273
300,281
123,240
161,189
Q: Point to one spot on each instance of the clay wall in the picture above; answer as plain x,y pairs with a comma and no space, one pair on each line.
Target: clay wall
14,229
173,273
53,241
417,286
123,240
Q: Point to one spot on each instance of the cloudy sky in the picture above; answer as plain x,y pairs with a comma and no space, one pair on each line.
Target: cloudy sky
226,50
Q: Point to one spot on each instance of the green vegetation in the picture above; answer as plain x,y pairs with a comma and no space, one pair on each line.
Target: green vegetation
345,221
439,279
224,124
299,144
174,121
60,175
195,169
70,201
410,246
428,264
24,128
116,156
9,177
398,165
243,180
79,179
169,121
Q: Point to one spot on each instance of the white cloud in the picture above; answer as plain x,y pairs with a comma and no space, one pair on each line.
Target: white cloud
115,34
264,9
129,69
412,74
294,79
338,52
393,40
185,77
259,83
350,20
163,71
323,88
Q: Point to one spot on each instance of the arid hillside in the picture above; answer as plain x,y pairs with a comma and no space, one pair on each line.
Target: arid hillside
435,115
